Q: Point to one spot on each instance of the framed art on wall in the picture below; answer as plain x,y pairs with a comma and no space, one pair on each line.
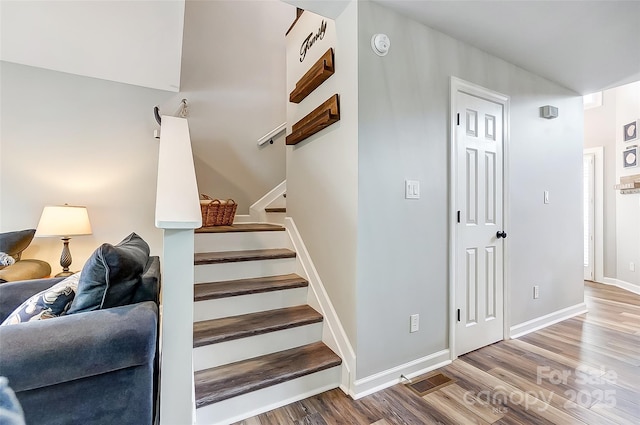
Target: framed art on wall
630,157
630,131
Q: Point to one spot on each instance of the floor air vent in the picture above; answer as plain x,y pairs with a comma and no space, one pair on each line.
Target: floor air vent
424,385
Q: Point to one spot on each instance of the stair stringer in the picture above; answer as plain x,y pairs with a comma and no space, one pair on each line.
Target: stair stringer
256,211
333,334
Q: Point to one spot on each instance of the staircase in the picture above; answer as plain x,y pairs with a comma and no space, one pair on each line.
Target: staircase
257,344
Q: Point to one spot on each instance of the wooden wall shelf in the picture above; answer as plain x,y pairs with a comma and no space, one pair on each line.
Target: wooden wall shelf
623,186
316,75
629,184
321,117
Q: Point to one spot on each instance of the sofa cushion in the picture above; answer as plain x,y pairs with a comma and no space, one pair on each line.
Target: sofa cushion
52,302
25,270
13,243
111,275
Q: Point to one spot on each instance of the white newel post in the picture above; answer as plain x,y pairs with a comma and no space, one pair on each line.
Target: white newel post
176,376
178,213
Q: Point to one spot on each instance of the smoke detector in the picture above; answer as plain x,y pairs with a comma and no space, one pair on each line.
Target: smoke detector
380,44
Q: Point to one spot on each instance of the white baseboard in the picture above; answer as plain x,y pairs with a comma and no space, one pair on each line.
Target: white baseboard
379,381
622,285
547,320
333,334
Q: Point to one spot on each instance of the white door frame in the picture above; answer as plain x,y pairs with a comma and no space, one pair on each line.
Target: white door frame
598,219
458,85
589,213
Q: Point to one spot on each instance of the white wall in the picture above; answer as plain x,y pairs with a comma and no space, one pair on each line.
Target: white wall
600,130
322,171
403,133
233,75
628,205
83,141
134,42
603,127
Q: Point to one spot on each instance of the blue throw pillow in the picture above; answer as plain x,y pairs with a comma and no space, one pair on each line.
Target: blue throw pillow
52,302
111,275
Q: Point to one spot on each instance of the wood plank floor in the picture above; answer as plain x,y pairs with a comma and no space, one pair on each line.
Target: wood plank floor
585,370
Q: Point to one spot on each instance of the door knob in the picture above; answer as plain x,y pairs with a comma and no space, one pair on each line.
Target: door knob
501,234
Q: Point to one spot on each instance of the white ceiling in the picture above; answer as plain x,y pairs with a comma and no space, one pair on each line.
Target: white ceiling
133,42
586,46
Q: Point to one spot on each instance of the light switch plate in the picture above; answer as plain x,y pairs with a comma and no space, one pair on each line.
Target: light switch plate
412,189
546,196
414,322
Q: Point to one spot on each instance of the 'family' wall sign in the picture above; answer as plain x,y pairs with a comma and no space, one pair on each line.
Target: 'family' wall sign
311,39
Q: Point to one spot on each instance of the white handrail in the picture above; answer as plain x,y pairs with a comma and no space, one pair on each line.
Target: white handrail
177,204
273,133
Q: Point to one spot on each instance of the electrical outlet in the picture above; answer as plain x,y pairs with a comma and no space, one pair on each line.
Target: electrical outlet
414,321
536,292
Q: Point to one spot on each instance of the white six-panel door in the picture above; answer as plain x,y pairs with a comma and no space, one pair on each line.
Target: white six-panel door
479,253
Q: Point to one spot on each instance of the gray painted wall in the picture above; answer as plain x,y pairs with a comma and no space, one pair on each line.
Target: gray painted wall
322,171
403,133
600,130
68,138
233,74
627,206
83,141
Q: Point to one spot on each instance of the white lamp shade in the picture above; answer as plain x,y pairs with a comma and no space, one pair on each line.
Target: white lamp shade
64,220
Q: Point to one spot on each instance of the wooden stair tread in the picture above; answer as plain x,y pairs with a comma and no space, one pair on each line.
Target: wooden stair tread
242,227
232,288
276,209
223,382
236,327
246,255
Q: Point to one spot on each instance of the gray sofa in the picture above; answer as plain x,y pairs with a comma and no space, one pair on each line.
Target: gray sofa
97,367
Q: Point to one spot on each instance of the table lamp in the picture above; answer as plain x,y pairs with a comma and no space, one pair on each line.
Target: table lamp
65,221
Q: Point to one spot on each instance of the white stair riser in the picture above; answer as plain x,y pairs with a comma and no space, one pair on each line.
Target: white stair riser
243,270
247,405
245,348
251,303
240,241
275,218
243,218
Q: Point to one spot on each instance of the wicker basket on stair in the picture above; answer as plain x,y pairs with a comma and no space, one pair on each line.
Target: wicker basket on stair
216,212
